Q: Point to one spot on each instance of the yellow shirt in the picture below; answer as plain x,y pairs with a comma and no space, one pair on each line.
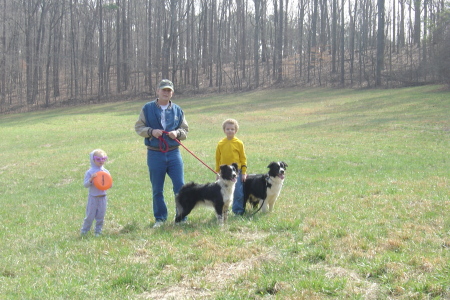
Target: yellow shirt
231,151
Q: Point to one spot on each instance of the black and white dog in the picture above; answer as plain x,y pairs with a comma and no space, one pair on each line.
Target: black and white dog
264,189
218,194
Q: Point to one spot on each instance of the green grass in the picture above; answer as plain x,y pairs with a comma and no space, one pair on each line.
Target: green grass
364,212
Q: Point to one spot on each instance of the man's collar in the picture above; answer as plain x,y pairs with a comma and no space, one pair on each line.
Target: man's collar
159,106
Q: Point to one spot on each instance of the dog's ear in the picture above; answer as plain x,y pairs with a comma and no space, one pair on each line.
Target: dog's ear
235,165
283,164
270,165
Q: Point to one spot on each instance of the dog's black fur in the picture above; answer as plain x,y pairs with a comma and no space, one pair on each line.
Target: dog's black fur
264,189
218,194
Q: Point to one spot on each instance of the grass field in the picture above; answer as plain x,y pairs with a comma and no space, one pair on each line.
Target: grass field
364,212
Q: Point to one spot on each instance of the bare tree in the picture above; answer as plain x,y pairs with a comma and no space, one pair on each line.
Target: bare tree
125,45
57,40
168,37
416,32
301,20
278,53
286,31
256,40
334,22
30,11
101,51
148,39
119,56
53,26
221,44
342,45
264,55
352,33
380,42
441,42
401,25
74,50
3,56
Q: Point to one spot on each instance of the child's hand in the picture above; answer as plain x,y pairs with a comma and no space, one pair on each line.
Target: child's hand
244,177
93,176
217,176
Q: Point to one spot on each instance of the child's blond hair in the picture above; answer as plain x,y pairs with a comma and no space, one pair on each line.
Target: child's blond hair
100,153
232,122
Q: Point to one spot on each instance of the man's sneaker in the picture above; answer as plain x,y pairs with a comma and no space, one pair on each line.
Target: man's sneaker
158,223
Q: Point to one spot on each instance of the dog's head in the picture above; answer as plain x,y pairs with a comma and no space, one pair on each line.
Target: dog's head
229,172
277,169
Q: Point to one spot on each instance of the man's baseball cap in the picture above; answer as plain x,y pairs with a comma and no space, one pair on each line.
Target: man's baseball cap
166,84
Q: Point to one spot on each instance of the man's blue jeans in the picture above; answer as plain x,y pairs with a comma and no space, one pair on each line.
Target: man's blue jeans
160,164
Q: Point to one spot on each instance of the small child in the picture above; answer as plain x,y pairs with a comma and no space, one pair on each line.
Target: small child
231,150
97,200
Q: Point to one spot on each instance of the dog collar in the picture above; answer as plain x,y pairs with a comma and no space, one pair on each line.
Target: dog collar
269,185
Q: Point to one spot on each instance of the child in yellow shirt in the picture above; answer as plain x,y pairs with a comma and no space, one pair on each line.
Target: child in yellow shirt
231,150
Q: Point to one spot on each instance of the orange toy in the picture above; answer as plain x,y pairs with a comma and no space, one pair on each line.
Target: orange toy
102,181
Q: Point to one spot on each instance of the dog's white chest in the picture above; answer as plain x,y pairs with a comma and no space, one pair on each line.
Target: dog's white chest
275,187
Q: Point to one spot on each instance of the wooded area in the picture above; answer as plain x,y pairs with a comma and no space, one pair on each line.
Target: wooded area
75,51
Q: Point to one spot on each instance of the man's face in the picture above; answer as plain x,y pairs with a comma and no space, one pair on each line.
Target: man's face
165,94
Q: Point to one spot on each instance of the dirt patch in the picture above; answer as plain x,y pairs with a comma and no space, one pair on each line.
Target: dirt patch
213,277
355,284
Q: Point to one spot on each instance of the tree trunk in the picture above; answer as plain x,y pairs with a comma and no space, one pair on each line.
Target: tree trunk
352,38
342,43
264,57
401,26
301,18
3,58
47,65
380,42
286,51
101,51
416,33
74,51
29,59
425,28
256,40
125,38
149,63
168,39
118,48
334,37
57,39
37,70
278,40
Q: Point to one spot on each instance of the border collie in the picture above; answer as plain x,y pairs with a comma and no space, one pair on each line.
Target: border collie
264,189
218,194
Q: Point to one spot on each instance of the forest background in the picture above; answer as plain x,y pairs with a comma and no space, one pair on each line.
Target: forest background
67,52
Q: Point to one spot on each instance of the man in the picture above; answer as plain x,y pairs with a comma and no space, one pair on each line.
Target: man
161,122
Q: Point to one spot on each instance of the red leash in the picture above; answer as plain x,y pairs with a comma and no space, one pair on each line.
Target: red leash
164,147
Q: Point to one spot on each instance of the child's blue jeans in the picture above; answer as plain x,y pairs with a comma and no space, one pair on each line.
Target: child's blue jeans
238,198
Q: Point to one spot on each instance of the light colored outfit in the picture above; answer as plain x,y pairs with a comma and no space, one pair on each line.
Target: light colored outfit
228,152
97,200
